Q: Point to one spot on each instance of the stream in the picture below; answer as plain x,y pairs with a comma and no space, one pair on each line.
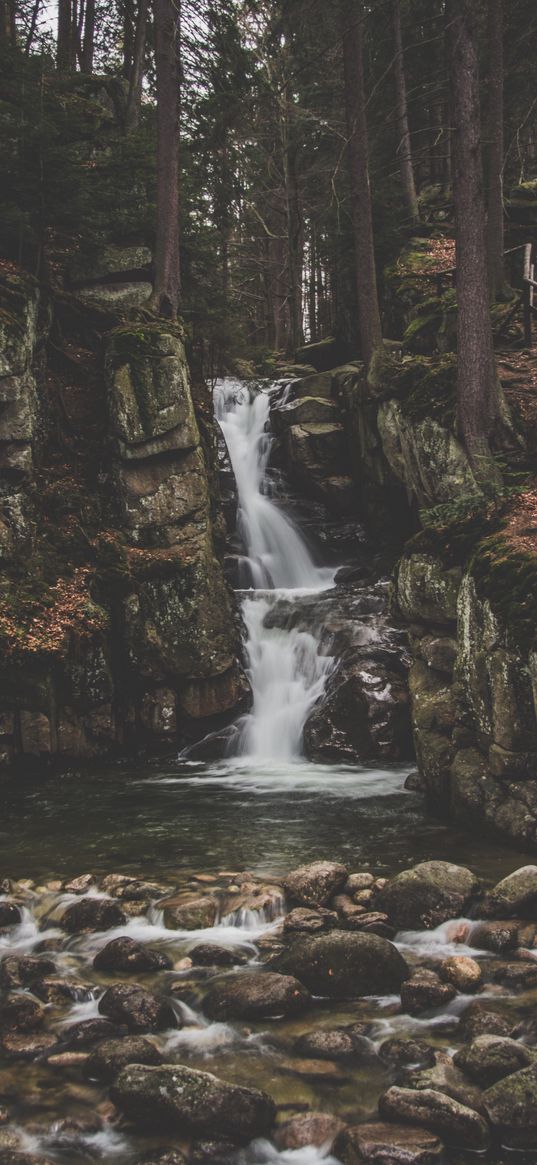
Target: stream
195,826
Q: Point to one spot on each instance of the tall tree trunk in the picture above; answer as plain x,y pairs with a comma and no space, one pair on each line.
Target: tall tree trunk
166,295
127,11
64,51
352,14
136,77
294,227
88,37
478,401
33,25
495,228
404,149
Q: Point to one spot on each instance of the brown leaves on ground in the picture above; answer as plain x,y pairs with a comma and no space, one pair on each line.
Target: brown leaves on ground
520,529
45,623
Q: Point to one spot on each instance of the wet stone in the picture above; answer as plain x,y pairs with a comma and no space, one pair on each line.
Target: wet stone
111,1056
480,1019
429,1109
377,1143
341,1043
490,1058
501,936
211,955
253,995
10,913
427,895
425,991
314,884
462,972
28,1045
20,1013
125,954
305,921
399,1052
139,1009
217,1152
23,970
310,1128
88,1032
341,964
57,990
90,914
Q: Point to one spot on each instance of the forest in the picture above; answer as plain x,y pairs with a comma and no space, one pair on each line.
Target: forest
268,582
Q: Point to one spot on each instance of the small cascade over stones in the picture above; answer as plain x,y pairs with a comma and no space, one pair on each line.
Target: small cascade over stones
286,668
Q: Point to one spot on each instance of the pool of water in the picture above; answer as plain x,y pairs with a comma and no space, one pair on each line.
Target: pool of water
180,817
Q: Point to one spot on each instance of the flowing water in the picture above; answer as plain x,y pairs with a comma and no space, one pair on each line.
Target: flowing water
191,825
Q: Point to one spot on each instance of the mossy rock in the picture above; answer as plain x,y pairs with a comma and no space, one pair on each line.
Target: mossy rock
149,389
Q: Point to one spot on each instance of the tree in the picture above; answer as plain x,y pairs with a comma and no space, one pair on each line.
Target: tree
166,294
404,150
478,394
495,227
136,68
352,14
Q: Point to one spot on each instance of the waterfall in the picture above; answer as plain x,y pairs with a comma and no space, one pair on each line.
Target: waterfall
286,671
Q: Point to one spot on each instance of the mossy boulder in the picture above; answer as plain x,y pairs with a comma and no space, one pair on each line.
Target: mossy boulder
426,590
340,964
489,1058
102,262
424,455
19,303
511,1107
427,895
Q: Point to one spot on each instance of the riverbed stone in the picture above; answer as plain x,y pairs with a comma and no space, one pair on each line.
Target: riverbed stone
22,970
314,884
433,1110
425,991
10,913
192,1102
92,914
342,964
480,1019
379,1143
347,1042
252,995
462,972
139,1009
58,990
110,1056
500,936
88,1032
125,954
28,1045
301,920
21,1013
309,1128
212,955
189,914
427,895
511,1106
403,1052
490,1058
514,896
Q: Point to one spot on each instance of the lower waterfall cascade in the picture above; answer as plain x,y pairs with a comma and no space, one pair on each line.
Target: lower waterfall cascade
286,669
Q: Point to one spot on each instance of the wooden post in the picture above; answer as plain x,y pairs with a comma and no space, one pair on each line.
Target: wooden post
528,294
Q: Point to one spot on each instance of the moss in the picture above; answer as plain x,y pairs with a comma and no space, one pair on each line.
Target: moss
427,387
508,579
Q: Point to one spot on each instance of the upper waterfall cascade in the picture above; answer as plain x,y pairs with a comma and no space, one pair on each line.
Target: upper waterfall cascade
286,670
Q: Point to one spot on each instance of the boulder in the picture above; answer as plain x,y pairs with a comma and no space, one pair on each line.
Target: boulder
314,884
116,297
111,1056
92,914
490,1058
309,1128
364,714
23,970
511,1107
348,1042
139,1009
105,261
255,995
192,1102
342,964
10,914
462,972
403,1052
426,591
191,914
211,955
304,921
425,991
514,897
478,1019
125,954
433,1110
88,1032
427,895
377,1143
21,1013
500,937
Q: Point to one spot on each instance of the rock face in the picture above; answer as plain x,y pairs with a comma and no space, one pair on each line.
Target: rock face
343,965
192,1102
427,895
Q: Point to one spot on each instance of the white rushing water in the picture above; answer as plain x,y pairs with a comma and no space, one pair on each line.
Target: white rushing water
287,673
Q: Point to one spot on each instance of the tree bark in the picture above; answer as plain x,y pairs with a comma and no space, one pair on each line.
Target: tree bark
136,77
352,14
166,294
88,37
404,149
64,50
478,401
495,225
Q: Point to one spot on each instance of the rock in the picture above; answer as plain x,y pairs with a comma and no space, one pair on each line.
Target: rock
316,1071
213,1152
23,970
341,1043
10,913
111,1056
137,1008
511,1107
376,1143
211,955
518,976
92,914
192,914
314,884
364,713
513,897
463,972
28,1045
341,964
357,882
371,922
309,1128
429,1109
427,895
125,954
426,591
253,995
79,885
192,1102
58,990
304,921
116,297
173,1157
490,1058
478,1019
105,261
424,992
306,410
89,1032
503,936
400,1052
21,1013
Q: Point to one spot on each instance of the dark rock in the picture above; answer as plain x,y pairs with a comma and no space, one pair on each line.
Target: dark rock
13,1157
10,913
424,992
341,1043
517,976
511,1107
515,896
371,922
217,1152
20,1013
253,995
23,970
89,1032
377,1143
139,1009
314,884
125,954
192,1102
28,1045
433,1110
111,1056
427,895
490,1058
173,1157
341,964
309,1128
304,921
500,937
478,1020
92,914
400,1052
57,990
364,714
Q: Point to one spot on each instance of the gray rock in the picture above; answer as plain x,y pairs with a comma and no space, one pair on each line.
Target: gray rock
111,1056
342,964
503,936
139,1009
511,1106
92,914
125,954
253,995
304,921
348,1042
309,1128
376,1143
399,1052
425,991
433,1110
314,884
192,914
490,1058
427,895
104,261
192,1102
479,1019
514,897
116,297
